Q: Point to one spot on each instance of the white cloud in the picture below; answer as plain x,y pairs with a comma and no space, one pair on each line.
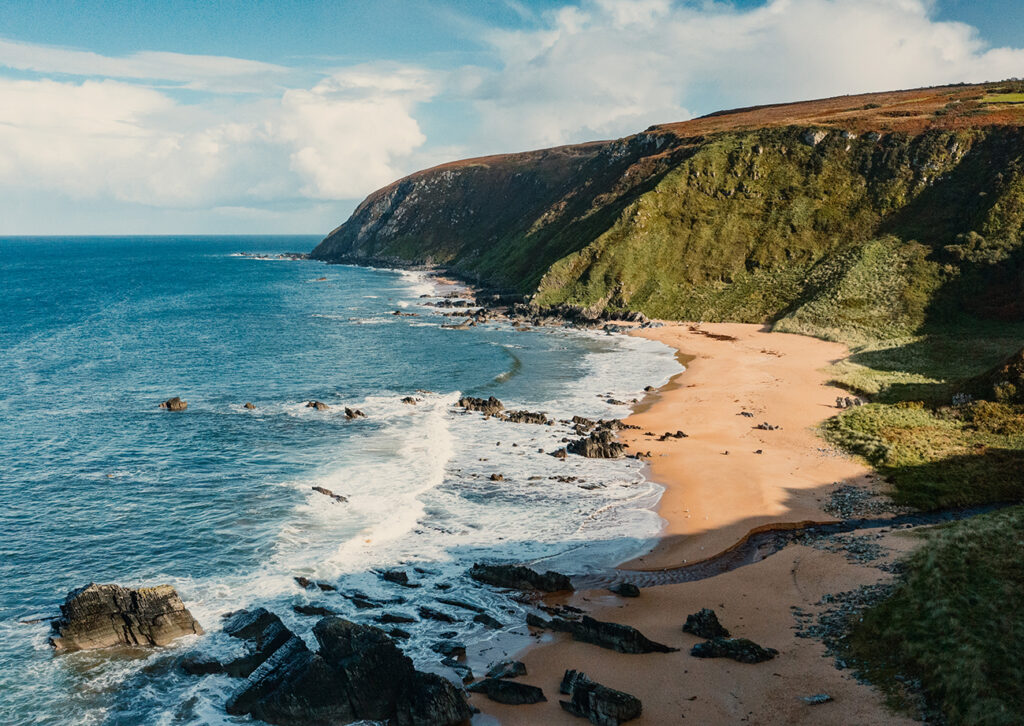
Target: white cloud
611,67
197,72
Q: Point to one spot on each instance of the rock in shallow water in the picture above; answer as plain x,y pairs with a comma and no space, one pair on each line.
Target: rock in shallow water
174,404
598,704
517,577
358,673
599,445
100,616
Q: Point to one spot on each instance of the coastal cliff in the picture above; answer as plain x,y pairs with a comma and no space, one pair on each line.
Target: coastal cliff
867,212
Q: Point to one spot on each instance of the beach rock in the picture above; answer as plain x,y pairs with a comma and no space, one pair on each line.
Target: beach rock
410,400
201,667
329,493
704,624
598,704
460,604
318,405
326,587
614,636
100,616
506,669
449,649
517,577
351,413
625,589
399,633
601,444
357,674
740,650
559,453
397,577
497,477
463,671
396,618
304,582
511,693
249,405
174,404
490,406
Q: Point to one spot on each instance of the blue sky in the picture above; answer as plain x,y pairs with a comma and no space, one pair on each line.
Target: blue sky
189,117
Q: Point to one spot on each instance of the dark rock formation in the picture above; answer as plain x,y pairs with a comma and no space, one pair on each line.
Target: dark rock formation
431,614
460,604
304,582
511,693
738,649
497,477
449,649
506,669
601,444
357,674
625,589
329,493
487,621
396,618
351,413
598,704
614,636
526,417
397,577
264,630
312,610
519,578
318,405
489,407
249,405
174,404
704,624
410,400
99,616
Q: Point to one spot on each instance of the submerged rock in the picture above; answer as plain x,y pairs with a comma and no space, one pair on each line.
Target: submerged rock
174,404
511,693
704,624
517,577
740,650
598,704
99,616
329,493
614,636
358,673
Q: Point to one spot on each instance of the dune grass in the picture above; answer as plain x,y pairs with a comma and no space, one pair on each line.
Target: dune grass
953,624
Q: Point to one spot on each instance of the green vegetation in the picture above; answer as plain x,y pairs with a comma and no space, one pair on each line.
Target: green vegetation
953,623
1004,98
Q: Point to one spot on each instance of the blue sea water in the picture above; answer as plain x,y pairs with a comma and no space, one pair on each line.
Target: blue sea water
97,484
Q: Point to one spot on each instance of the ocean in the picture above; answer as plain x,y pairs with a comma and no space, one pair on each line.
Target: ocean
99,485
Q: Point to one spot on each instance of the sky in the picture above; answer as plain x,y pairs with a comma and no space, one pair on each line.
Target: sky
193,117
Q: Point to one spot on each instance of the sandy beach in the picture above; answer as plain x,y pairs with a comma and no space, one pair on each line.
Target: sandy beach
726,478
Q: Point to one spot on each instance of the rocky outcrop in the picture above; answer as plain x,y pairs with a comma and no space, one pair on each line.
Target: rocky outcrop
601,444
600,705
517,577
264,631
358,673
351,413
512,693
625,589
529,417
704,624
489,407
100,616
506,669
614,636
329,493
174,404
318,405
740,650
250,406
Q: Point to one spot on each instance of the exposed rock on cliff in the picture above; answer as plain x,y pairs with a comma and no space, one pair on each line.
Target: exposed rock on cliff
99,616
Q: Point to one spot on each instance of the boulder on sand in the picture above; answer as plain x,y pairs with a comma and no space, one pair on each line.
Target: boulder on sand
357,674
704,624
174,404
100,616
512,693
600,705
517,577
614,636
740,650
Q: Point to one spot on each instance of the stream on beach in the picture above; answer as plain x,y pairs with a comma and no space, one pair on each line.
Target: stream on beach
100,485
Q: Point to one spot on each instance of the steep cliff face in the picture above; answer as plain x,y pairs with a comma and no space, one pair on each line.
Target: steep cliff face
870,210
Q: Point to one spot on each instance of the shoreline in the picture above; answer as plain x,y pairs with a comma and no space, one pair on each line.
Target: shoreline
712,502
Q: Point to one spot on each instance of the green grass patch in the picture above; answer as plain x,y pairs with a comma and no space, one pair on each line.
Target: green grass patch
949,457
953,623
1003,98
